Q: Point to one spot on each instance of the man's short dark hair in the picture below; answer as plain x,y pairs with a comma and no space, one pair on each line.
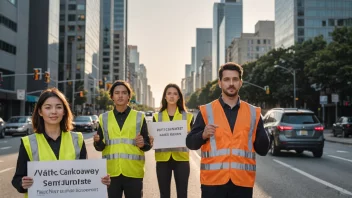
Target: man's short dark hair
118,83
231,66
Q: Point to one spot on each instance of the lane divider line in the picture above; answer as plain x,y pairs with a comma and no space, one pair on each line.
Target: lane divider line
341,158
7,169
342,190
7,147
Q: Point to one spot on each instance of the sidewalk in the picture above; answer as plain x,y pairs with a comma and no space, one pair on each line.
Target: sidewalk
339,139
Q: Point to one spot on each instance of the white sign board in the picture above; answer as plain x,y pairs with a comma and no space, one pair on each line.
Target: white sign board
168,134
323,99
334,98
21,94
67,178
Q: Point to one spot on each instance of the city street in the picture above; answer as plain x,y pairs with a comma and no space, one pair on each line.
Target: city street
288,175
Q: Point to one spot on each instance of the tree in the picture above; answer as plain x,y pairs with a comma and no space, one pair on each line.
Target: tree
104,101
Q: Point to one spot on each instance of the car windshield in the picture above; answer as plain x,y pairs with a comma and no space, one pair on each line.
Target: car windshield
299,118
17,120
349,119
82,119
94,117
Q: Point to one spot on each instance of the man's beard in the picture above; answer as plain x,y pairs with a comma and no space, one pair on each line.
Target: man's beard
230,94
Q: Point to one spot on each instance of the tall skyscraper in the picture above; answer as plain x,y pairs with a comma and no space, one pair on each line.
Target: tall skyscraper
203,49
299,20
114,62
218,15
231,26
79,45
14,26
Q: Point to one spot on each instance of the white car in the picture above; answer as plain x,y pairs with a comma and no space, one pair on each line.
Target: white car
19,125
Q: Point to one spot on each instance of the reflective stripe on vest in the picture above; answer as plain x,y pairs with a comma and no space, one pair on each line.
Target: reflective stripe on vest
226,165
34,146
181,149
109,141
214,152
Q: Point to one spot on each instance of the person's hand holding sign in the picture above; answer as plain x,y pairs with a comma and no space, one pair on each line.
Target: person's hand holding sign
96,137
209,131
27,182
106,180
139,140
151,139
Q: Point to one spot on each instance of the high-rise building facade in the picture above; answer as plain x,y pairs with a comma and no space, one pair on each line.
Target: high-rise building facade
114,62
218,15
299,20
79,46
203,49
250,46
14,27
231,26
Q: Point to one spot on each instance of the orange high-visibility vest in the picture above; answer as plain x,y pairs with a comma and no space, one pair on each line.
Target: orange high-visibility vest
229,155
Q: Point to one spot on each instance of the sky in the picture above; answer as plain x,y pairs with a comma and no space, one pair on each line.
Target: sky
165,31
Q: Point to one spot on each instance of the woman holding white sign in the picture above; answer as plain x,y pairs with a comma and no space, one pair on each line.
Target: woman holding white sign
52,121
173,159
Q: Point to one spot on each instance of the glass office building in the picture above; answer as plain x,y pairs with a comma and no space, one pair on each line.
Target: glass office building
300,20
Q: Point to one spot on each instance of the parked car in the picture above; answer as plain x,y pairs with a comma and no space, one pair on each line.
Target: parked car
343,126
294,129
19,125
83,123
95,119
2,129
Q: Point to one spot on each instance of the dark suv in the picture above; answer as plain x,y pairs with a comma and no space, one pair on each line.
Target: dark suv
294,129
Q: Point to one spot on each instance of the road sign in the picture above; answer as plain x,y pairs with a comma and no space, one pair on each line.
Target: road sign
323,99
21,94
334,98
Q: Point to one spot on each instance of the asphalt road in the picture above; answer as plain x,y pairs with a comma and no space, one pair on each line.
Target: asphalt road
289,175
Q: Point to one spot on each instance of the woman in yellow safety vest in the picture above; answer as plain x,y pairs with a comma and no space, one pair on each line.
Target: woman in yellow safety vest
173,159
52,122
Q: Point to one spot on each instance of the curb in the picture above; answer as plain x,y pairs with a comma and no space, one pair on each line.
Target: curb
335,141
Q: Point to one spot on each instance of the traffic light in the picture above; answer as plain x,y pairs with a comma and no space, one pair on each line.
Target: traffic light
100,82
47,77
267,90
81,94
108,86
37,73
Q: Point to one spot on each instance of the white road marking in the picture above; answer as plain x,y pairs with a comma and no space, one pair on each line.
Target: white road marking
342,190
3,142
341,158
7,169
342,151
7,147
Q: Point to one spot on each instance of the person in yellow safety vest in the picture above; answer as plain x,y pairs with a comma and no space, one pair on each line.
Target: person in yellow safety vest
52,139
123,138
229,132
172,159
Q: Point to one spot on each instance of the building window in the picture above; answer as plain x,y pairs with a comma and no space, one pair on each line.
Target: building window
106,46
62,28
80,57
116,77
264,41
331,22
300,32
300,40
117,47
71,38
71,17
340,22
117,53
106,53
105,66
116,64
106,72
8,23
71,7
106,60
117,42
7,47
81,17
300,12
80,38
62,17
116,70
300,3
258,41
269,41
257,48
300,22
116,36
62,6
323,23
81,7
81,46
80,28
71,28
116,58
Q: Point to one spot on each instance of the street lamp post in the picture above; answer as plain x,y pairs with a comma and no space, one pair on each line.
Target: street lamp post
293,72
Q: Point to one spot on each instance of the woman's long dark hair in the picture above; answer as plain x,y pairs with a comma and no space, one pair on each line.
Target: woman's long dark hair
180,103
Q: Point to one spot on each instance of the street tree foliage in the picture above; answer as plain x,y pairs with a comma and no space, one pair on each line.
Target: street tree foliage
321,68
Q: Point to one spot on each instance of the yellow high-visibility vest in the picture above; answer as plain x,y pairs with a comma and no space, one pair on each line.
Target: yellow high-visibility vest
38,148
178,154
121,153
